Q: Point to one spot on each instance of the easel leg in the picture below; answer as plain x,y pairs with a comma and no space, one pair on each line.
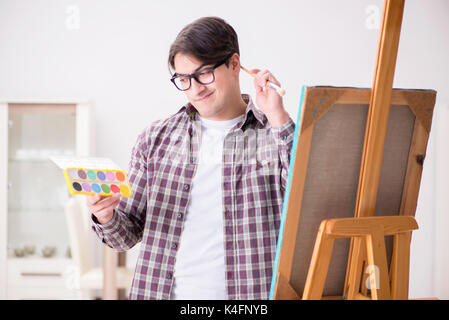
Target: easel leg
400,266
319,265
356,267
377,260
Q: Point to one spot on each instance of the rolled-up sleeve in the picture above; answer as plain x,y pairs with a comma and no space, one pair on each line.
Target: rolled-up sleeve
284,137
128,221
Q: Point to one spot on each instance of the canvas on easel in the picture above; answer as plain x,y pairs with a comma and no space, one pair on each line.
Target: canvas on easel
325,169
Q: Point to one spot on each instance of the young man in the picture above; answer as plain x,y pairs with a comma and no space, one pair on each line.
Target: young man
208,182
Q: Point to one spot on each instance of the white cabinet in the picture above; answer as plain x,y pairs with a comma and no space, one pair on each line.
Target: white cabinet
35,258
38,278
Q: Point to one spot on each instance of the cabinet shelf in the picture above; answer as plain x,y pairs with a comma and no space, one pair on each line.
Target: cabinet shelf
58,255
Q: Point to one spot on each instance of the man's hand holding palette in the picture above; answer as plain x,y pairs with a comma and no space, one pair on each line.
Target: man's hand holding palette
92,176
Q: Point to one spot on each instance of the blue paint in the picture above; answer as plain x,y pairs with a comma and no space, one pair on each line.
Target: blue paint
101,175
287,190
96,188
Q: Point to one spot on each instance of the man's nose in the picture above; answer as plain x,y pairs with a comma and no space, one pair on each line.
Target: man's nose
197,87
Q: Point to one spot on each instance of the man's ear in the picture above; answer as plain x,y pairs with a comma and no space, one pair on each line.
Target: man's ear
234,62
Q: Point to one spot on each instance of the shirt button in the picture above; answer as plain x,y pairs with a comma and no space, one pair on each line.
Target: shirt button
186,187
179,215
173,246
284,137
169,275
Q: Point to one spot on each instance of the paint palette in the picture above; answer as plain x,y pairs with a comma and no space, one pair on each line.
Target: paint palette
97,181
84,176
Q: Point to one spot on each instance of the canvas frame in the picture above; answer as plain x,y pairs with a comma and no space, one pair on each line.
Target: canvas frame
315,103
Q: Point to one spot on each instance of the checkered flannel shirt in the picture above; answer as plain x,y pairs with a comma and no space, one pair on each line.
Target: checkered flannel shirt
163,162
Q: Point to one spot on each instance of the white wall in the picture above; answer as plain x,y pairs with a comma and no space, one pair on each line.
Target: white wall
115,53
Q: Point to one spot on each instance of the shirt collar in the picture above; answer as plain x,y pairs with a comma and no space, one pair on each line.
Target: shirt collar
250,111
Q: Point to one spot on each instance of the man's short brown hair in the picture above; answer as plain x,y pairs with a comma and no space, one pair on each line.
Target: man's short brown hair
209,39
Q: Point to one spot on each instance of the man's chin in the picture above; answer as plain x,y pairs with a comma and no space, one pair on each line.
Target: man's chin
208,112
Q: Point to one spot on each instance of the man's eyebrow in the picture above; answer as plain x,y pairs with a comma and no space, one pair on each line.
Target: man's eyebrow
200,67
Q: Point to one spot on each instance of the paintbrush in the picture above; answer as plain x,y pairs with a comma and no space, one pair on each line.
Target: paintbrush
270,84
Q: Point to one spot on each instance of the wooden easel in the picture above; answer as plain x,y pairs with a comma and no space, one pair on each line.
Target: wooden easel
367,233
372,162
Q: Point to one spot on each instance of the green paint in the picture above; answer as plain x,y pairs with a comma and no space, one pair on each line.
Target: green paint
106,188
91,174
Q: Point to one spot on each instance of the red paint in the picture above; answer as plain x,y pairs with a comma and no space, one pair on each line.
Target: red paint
114,188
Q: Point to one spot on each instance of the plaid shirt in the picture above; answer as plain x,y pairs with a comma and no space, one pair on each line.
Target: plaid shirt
163,162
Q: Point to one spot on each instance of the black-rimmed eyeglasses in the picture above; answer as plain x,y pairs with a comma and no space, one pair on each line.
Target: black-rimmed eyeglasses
203,76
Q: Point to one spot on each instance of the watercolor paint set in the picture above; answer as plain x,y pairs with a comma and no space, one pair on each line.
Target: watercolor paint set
91,176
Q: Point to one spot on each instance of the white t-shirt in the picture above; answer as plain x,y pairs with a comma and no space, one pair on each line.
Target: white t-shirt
200,262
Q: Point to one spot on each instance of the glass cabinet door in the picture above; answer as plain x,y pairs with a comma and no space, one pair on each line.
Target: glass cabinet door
37,191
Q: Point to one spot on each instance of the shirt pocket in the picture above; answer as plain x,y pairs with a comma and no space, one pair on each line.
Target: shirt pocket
173,152
262,154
